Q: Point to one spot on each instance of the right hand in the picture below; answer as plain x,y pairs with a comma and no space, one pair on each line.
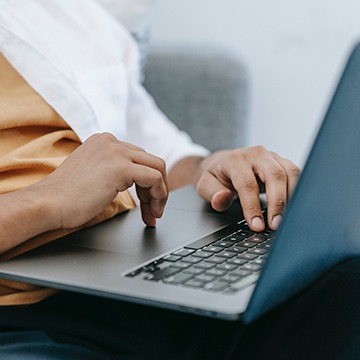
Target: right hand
90,178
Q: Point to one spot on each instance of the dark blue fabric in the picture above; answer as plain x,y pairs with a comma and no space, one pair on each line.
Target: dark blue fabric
323,322
37,345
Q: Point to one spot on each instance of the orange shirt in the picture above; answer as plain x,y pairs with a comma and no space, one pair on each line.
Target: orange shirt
34,140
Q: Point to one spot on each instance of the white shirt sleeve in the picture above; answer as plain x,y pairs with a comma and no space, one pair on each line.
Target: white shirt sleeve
86,66
149,128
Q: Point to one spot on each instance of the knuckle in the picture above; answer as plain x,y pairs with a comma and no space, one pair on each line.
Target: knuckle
137,148
106,136
248,184
278,174
233,155
258,150
162,165
251,209
277,204
295,171
158,177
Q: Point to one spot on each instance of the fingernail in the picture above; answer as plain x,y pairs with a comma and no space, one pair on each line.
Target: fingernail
276,221
257,223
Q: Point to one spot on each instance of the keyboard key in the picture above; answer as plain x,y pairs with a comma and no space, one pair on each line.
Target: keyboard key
216,272
216,259
150,268
257,238
247,244
198,244
230,278
252,267
269,234
216,285
172,258
194,283
244,233
160,274
193,270
191,259
178,278
205,265
240,272
259,261
205,278
237,249
226,254
180,265
226,267
266,245
183,252
247,256
257,251
202,254
235,239
223,244
213,249
237,261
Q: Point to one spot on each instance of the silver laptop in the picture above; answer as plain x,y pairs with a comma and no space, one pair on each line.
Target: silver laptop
207,263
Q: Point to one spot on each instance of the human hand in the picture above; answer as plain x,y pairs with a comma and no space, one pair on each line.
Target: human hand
90,178
244,173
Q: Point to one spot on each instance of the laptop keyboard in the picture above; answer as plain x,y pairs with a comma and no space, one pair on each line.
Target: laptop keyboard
225,261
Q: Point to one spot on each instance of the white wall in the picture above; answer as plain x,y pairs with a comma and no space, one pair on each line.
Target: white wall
294,52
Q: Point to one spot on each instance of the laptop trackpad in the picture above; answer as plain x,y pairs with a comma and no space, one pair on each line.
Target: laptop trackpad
126,234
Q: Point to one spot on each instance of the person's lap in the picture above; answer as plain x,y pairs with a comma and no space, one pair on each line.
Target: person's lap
37,345
323,321
125,330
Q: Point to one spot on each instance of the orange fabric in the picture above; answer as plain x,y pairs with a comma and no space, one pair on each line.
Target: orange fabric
34,140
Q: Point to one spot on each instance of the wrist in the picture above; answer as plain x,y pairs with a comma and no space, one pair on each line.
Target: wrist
24,214
41,201
185,172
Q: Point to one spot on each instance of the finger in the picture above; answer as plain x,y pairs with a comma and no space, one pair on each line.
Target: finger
292,171
145,207
221,192
247,187
151,208
215,192
151,161
152,191
274,176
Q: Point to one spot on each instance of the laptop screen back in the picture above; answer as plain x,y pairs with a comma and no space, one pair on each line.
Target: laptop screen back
322,224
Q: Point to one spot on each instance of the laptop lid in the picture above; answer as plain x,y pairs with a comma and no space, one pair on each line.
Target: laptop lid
321,226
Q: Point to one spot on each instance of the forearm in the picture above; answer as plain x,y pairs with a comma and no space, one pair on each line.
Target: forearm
24,214
185,172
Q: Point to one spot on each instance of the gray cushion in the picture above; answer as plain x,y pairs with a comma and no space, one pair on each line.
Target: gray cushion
204,91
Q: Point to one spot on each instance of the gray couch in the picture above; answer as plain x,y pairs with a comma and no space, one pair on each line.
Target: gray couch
203,90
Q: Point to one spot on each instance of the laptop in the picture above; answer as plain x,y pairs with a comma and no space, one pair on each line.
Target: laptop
203,262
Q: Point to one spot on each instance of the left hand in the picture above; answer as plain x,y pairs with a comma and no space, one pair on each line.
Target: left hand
244,173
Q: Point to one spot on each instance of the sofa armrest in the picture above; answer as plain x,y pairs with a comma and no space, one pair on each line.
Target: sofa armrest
203,91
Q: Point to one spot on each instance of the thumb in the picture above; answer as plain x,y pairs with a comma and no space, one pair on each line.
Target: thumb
215,192
223,199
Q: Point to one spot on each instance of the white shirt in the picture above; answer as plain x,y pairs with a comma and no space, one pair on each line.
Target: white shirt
85,64
133,14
